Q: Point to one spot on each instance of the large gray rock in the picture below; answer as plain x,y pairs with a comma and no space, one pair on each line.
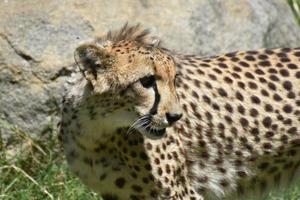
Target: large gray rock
37,40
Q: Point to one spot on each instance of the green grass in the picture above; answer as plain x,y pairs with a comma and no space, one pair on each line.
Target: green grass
292,193
295,5
37,170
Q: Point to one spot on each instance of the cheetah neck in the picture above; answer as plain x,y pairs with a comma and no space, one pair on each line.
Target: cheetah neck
92,119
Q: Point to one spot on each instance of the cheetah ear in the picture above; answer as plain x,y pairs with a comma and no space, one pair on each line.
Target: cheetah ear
92,60
95,62
155,41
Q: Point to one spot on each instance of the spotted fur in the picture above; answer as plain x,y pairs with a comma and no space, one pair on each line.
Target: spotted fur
239,135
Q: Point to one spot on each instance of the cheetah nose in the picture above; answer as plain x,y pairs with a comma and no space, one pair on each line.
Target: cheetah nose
173,117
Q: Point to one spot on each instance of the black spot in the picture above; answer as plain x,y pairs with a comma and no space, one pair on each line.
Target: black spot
252,85
137,188
153,194
268,108
267,122
206,99
292,66
134,197
249,58
239,96
224,183
292,130
232,54
272,86
241,109
259,72
267,145
297,75
276,97
254,131
269,134
291,95
102,177
120,182
241,85
284,72
269,52
264,63
255,99
253,112
244,64
223,65
228,80
274,78
262,57
109,197
222,92
297,53
287,108
249,75
228,107
287,85
265,92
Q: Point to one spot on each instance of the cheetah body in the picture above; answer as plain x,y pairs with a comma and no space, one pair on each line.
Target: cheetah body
239,135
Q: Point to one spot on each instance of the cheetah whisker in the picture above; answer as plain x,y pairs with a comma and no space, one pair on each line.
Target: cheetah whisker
134,124
141,124
138,123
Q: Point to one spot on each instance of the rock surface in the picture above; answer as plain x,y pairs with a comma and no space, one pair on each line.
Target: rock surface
37,40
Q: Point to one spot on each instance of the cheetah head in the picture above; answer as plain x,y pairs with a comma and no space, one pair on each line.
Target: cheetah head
132,67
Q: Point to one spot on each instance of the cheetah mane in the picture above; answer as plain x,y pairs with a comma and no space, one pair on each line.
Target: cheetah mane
134,33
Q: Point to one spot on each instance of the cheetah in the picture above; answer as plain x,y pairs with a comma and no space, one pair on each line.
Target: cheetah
140,121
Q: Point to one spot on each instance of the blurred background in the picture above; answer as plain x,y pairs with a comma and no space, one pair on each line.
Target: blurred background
37,40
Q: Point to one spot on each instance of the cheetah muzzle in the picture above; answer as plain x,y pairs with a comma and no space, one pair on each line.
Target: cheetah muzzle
143,125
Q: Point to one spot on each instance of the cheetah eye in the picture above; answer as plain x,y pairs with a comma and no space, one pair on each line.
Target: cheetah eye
147,81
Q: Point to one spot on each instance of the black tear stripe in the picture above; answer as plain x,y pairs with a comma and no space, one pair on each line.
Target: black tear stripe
153,110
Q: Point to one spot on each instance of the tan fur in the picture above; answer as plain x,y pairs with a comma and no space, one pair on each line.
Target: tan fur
238,138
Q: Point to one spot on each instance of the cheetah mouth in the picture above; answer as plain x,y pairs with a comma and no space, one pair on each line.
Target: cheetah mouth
146,127
154,132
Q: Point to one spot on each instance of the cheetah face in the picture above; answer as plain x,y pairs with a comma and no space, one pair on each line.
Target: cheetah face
144,76
157,105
